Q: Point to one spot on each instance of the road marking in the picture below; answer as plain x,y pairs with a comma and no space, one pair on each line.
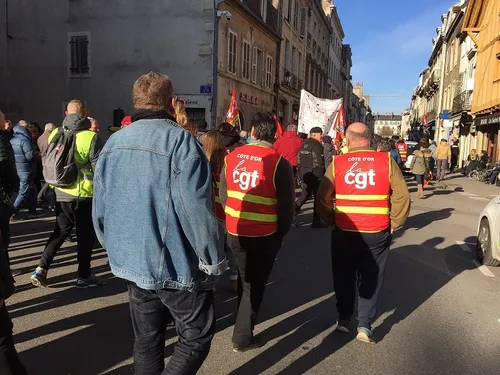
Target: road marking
474,195
464,245
479,198
483,269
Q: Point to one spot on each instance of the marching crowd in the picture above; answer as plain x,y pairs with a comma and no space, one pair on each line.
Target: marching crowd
209,201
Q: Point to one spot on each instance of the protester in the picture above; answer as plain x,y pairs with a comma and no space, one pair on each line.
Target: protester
172,259
485,159
214,149
384,146
257,191
471,163
402,149
24,154
34,129
328,150
243,137
230,136
443,157
420,166
395,154
311,166
94,125
455,154
9,182
10,363
371,201
432,160
288,145
202,127
74,203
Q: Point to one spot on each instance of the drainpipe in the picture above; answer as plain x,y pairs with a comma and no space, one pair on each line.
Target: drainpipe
215,62
437,136
278,59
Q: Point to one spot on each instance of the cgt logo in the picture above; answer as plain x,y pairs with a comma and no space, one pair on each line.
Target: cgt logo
359,178
245,179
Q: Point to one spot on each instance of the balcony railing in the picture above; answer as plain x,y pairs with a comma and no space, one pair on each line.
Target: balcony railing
291,81
462,102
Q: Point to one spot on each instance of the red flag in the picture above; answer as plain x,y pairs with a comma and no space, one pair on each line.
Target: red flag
233,116
279,128
339,125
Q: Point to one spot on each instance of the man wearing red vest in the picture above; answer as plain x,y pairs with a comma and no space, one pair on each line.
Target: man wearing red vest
371,201
403,150
257,191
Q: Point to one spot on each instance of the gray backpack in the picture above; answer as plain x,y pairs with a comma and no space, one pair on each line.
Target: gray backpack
60,168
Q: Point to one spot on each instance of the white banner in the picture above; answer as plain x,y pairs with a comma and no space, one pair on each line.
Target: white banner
317,112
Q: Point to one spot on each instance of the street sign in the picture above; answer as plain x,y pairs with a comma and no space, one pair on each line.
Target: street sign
205,89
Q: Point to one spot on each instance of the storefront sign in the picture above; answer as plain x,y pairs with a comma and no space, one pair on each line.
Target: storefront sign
265,103
487,120
250,99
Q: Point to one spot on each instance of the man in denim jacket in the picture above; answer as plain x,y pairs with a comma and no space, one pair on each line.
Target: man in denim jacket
153,214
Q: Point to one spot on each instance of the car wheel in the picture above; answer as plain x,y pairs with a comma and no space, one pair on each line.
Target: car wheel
484,251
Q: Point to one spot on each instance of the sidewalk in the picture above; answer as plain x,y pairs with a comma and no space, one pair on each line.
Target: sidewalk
470,186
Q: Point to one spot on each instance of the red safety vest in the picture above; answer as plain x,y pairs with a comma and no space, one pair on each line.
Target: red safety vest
363,188
251,206
403,150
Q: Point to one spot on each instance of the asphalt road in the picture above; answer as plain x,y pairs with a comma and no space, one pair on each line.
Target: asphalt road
439,313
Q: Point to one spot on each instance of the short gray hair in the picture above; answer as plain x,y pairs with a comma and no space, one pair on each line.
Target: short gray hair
365,135
49,127
292,128
23,123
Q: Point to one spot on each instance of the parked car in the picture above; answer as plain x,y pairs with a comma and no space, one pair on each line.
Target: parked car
488,234
409,155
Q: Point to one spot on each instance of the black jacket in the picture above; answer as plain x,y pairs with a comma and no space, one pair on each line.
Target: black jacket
9,180
311,159
328,152
231,139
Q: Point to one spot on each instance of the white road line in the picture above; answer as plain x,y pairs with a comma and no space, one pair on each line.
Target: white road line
483,269
479,198
474,195
465,247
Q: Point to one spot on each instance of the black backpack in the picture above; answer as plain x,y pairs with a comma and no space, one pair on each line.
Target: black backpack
60,169
307,157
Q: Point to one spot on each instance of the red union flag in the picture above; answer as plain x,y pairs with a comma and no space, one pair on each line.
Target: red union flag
233,116
279,128
339,125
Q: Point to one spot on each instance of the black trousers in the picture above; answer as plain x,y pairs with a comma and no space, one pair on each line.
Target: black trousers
5,231
152,310
46,195
255,259
69,214
10,364
358,262
310,186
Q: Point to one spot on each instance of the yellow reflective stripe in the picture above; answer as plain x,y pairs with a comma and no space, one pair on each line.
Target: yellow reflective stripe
217,184
362,210
362,197
267,218
217,199
251,198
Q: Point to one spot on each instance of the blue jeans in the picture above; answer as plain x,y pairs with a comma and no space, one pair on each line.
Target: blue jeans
194,317
27,194
358,262
420,179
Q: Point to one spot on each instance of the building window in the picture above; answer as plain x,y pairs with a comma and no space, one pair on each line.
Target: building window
289,13
259,55
296,15
288,58
496,62
79,54
269,71
263,9
231,55
246,60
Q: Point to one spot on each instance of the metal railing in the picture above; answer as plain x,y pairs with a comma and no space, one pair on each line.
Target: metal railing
462,102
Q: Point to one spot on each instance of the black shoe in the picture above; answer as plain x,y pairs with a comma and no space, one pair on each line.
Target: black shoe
256,343
70,238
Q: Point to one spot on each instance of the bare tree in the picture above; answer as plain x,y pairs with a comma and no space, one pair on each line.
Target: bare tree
385,131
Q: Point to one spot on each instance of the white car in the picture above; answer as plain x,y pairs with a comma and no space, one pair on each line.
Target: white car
409,154
488,234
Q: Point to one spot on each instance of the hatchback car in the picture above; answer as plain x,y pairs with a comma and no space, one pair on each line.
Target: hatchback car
488,234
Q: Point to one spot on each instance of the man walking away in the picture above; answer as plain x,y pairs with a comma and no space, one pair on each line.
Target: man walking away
455,154
288,145
443,156
171,261
328,150
372,200
24,154
46,193
74,203
311,165
257,191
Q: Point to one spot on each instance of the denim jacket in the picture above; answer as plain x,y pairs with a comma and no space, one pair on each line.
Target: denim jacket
152,208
